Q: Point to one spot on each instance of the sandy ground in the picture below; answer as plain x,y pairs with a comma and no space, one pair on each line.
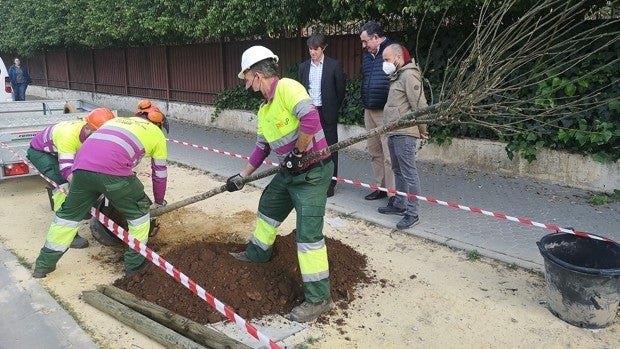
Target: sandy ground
429,296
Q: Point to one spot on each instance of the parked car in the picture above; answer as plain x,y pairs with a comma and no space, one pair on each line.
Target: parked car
7,92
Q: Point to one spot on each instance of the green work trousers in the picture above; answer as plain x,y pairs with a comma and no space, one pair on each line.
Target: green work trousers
126,194
47,165
307,194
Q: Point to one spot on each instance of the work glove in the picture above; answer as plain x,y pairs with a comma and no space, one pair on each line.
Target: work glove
234,183
292,163
156,205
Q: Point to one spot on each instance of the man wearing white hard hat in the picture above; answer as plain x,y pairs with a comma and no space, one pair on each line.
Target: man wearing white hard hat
289,125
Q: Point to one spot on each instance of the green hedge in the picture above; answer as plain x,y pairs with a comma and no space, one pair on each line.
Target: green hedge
593,132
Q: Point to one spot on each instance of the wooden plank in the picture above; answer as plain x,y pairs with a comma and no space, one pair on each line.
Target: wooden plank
190,329
139,322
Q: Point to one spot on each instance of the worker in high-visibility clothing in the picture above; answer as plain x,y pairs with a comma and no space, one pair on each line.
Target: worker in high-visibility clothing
52,152
104,165
289,125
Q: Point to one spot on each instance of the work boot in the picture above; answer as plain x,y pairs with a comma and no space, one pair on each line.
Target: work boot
242,256
330,191
391,208
46,262
133,261
79,242
39,274
49,190
306,311
129,273
407,222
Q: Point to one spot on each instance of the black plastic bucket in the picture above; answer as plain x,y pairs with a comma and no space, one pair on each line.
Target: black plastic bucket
583,278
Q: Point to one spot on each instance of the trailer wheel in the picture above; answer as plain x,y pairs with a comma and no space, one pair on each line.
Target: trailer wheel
69,108
102,234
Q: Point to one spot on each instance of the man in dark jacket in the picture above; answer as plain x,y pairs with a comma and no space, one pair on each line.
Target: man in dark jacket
323,77
375,87
20,79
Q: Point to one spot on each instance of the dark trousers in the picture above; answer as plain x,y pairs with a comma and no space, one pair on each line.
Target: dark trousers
331,135
19,91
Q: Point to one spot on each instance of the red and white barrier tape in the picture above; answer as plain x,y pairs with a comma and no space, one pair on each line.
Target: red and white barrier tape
152,256
480,211
182,278
430,200
218,151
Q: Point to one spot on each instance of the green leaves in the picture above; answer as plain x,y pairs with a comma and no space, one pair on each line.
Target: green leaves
30,27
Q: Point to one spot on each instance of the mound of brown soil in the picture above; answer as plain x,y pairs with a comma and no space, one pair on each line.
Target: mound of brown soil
250,289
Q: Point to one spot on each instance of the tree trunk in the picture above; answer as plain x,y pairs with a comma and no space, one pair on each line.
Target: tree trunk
190,329
139,322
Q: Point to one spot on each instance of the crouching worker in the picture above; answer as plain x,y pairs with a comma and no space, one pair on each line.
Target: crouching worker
52,151
104,165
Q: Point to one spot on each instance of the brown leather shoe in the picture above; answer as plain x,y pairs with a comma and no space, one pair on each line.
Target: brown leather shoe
376,195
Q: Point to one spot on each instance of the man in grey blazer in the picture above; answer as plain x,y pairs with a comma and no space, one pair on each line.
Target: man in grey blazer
324,79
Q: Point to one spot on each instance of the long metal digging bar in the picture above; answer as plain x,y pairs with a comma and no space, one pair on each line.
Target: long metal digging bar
406,120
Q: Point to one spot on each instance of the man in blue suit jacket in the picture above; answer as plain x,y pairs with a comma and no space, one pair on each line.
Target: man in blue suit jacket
324,79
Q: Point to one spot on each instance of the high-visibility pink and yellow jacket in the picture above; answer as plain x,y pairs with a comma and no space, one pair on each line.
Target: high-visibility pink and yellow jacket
63,141
119,145
287,111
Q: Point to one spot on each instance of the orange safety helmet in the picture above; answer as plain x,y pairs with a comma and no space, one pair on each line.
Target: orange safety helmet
97,117
155,116
144,106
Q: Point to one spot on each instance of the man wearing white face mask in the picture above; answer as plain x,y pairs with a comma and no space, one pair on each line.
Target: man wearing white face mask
406,95
288,125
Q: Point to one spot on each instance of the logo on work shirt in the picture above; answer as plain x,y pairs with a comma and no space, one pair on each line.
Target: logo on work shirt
281,124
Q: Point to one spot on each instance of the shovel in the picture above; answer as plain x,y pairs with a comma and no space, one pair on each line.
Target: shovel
405,121
106,237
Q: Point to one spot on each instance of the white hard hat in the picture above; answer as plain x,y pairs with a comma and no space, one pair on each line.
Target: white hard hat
254,55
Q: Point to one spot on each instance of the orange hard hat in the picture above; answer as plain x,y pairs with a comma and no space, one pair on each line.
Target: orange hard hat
97,117
144,106
158,118
155,115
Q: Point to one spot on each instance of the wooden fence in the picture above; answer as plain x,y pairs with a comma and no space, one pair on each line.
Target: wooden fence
190,73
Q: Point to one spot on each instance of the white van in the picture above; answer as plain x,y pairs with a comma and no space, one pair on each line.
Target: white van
6,94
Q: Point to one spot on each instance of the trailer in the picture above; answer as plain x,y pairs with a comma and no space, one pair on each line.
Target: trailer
21,121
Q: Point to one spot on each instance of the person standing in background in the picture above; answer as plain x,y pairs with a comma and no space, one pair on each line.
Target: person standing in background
406,95
375,87
324,79
20,79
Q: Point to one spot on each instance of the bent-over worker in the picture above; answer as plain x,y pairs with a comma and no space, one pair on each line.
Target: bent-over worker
104,165
52,152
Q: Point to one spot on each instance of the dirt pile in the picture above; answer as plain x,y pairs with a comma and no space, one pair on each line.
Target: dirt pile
250,289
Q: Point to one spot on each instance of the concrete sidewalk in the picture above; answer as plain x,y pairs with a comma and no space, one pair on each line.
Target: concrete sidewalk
31,318
501,239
